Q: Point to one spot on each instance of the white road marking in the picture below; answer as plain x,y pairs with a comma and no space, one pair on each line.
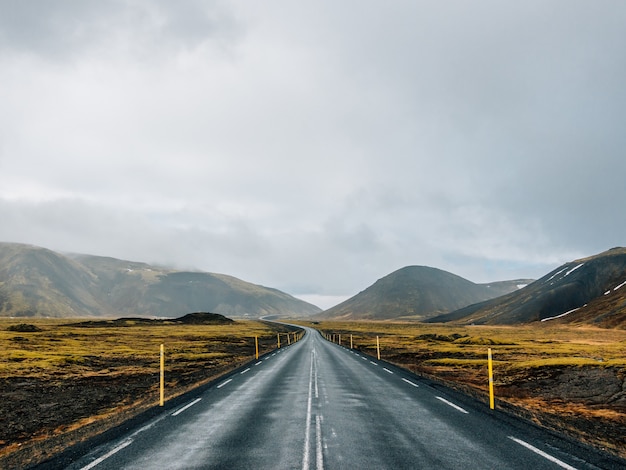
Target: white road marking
224,383
387,370
319,453
244,371
542,453
372,362
146,427
189,405
410,383
363,357
260,362
456,407
307,432
317,393
306,454
108,454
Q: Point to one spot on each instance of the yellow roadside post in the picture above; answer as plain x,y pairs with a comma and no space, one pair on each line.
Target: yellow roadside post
350,341
162,378
288,339
278,335
256,347
378,347
339,339
491,397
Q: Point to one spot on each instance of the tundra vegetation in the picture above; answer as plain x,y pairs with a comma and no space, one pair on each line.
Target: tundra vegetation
572,379
63,381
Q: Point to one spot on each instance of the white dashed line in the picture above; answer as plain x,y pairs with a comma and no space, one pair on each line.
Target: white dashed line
244,371
372,362
387,370
189,405
258,363
224,383
542,453
410,383
449,403
108,454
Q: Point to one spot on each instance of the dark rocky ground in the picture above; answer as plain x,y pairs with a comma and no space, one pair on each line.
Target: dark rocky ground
586,403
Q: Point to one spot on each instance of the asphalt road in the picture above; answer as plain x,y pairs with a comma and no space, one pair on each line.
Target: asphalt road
317,405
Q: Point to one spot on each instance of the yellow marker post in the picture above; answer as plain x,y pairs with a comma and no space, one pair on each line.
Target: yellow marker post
491,397
378,347
256,347
162,380
278,340
340,340
350,341
288,339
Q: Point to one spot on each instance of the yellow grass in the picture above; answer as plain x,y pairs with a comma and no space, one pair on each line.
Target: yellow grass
61,350
529,361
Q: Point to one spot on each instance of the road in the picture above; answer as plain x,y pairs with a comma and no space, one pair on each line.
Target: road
317,405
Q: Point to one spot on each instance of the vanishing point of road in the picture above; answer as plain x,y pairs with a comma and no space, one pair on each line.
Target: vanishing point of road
316,405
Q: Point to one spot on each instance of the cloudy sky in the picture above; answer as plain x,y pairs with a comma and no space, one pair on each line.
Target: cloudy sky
315,147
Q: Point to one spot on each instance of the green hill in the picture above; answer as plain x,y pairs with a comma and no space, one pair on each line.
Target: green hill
417,292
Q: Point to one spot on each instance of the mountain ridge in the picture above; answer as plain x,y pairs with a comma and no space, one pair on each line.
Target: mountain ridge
416,292
36,281
588,290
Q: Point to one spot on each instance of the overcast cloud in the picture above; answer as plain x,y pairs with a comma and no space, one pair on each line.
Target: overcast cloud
315,147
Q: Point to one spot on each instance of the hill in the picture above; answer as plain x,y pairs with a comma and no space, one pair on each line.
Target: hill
416,292
197,318
588,291
36,281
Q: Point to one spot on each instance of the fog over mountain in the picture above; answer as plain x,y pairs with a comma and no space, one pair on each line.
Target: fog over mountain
36,281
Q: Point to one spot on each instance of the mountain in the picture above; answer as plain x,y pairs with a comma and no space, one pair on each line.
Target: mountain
417,292
36,281
589,290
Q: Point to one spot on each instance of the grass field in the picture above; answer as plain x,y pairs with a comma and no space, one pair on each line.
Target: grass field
569,378
64,377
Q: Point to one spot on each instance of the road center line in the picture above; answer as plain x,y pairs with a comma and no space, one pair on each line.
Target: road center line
456,407
317,393
224,383
410,383
319,452
387,370
188,405
307,431
108,454
244,371
542,453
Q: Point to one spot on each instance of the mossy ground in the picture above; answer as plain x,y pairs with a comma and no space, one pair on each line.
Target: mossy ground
570,378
